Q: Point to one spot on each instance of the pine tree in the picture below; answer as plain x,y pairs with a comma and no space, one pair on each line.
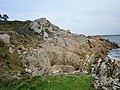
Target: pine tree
5,17
0,17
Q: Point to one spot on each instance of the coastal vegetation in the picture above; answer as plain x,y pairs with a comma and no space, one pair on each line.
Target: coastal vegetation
13,25
52,82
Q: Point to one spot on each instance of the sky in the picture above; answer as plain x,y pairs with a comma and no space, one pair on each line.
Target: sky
89,17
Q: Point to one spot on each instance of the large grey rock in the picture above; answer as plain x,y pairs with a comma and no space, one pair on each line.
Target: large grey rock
43,25
5,38
35,61
65,58
55,69
11,50
59,69
67,68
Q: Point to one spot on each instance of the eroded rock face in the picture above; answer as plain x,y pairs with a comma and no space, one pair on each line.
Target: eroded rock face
35,61
65,58
65,48
59,69
43,27
107,74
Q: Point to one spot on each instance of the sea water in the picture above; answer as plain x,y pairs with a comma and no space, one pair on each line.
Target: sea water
115,53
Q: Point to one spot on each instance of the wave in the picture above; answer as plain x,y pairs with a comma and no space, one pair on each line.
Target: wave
114,54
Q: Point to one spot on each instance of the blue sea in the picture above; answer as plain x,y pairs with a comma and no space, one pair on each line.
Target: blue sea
115,53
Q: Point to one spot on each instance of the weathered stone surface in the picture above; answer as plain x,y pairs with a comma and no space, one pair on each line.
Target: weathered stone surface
55,69
67,68
63,48
107,74
11,50
36,60
65,58
43,27
59,69
51,70
5,38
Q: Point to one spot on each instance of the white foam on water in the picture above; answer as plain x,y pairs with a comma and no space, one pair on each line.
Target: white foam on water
114,54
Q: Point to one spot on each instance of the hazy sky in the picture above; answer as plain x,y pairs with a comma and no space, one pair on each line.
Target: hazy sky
88,17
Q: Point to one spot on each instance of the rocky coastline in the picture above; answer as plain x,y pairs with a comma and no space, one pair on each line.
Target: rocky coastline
49,50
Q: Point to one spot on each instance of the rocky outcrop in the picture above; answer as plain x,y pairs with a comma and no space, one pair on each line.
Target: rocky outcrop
106,74
67,52
43,27
65,48
47,50
35,61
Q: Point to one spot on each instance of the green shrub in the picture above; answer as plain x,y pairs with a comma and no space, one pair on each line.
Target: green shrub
13,25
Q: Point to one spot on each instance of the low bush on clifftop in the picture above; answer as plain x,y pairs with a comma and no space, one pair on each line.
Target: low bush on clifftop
13,25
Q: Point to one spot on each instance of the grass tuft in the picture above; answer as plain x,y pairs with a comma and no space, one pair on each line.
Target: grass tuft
54,82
